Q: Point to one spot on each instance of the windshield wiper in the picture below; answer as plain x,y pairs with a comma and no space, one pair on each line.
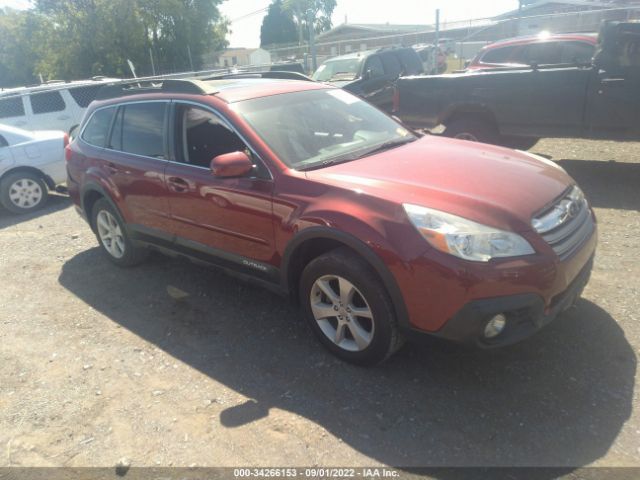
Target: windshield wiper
349,157
387,146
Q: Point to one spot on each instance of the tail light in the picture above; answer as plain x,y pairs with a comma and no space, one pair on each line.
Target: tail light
395,107
67,148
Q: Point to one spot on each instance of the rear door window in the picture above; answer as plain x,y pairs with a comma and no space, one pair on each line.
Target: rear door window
47,102
11,107
97,129
410,61
547,53
83,96
140,129
391,63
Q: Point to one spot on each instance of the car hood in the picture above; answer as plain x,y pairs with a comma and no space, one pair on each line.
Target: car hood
492,185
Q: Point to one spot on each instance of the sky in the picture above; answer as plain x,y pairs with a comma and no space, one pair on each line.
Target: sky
246,22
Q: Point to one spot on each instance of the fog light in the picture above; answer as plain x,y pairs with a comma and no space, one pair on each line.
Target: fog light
495,326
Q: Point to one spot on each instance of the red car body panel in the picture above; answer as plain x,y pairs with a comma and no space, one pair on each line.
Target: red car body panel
361,199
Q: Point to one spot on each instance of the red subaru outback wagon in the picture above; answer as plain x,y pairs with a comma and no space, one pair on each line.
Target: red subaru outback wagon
379,235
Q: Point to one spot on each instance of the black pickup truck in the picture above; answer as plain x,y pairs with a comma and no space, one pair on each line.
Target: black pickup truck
517,106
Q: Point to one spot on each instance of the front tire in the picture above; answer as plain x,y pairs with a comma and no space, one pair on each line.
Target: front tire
349,309
112,235
23,192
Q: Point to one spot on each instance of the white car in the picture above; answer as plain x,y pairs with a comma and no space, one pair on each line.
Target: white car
31,164
52,106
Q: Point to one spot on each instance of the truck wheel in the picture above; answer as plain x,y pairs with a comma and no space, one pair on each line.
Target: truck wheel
348,308
23,192
474,130
519,143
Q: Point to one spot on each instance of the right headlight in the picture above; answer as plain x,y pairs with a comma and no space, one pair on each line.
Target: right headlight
464,238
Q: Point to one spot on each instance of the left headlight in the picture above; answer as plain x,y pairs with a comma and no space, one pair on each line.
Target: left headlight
464,238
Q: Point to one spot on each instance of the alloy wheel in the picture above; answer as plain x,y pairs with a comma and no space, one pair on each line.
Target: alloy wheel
110,234
342,313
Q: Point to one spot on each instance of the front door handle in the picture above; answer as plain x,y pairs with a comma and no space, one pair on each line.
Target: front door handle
611,81
178,184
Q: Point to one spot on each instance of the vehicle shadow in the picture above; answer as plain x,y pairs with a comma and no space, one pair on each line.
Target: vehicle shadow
55,203
558,399
607,184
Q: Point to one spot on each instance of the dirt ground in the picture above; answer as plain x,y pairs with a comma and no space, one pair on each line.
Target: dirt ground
99,363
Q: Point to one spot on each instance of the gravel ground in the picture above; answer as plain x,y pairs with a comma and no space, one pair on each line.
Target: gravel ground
99,363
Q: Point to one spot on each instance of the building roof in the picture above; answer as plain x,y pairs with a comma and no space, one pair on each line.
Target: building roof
586,4
375,28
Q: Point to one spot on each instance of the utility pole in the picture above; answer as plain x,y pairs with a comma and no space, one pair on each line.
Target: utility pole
437,41
153,66
312,42
190,59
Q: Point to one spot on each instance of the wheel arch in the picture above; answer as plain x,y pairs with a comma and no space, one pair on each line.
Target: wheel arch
26,168
91,193
315,241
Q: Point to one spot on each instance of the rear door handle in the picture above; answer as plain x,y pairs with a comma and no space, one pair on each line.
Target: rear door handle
178,184
112,169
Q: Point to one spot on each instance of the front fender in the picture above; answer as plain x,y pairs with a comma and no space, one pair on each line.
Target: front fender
374,250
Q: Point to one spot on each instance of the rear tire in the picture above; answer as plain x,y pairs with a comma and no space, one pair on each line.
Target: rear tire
349,309
473,129
113,237
23,192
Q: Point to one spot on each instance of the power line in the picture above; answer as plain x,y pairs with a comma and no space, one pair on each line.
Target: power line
250,14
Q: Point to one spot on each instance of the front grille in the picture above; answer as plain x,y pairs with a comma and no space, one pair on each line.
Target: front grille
567,224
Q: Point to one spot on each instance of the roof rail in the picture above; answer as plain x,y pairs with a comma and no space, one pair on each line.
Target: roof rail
136,87
275,74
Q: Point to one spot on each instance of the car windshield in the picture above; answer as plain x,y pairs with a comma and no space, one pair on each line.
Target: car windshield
315,128
344,69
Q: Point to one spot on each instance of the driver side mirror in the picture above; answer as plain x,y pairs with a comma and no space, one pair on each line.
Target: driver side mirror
234,164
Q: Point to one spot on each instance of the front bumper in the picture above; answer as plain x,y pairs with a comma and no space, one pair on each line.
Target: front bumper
526,314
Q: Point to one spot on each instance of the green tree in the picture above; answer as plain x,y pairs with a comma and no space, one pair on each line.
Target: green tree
321,11
96,37
277,26
22,35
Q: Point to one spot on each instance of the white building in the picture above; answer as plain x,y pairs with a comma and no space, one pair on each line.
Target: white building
243,56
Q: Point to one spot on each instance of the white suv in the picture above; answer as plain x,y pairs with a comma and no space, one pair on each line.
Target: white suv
54,106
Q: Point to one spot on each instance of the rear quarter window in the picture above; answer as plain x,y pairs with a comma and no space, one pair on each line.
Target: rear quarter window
499,55
577,52
11,107
47,102
97,129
